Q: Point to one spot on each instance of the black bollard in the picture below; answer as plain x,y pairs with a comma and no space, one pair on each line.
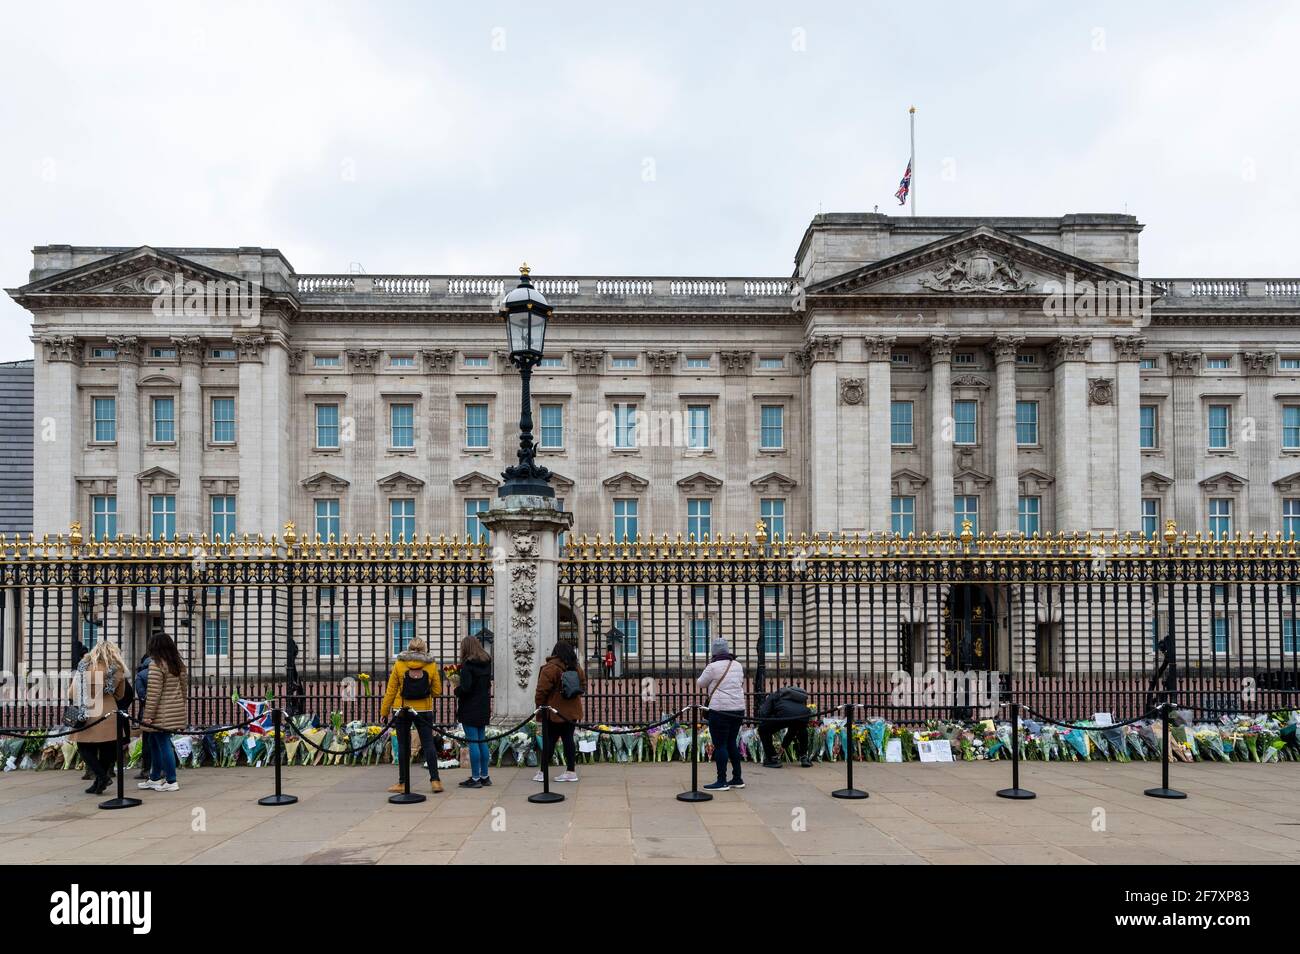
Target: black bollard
122,742
406,796
1015,791
1164,791
849,791
279,798
545,796
695,795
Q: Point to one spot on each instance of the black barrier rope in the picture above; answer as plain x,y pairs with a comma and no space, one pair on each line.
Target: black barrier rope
352,750
1039,717
437,730
191,731
32,733
630,730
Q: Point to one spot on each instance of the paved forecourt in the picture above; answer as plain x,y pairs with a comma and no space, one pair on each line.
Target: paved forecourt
1085,813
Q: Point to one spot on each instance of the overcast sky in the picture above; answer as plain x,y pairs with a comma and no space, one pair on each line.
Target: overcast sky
637,139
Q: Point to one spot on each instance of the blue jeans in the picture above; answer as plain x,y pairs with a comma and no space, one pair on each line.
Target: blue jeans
724,728
162,756
478,751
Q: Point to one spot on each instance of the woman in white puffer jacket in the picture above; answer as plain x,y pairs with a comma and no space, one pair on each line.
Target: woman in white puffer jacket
723,682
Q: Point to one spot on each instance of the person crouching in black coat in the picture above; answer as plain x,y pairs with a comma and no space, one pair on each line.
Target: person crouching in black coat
786,708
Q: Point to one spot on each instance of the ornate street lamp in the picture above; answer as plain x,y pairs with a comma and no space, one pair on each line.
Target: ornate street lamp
526,312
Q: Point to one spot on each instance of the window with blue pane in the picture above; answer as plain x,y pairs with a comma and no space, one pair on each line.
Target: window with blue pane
327,425
964,422
1148,423
1027,423
476,625
630,627
402,424
625,520
327,637
90,633
1029,512
475,532
772,430
772,511
699,636
1150,518
327,519
1221,635
476,425
773,636
401,518
900,423
966,508
902,515
223,517
699,518
162,516
223,420
1289,641
1218,419
697,426
164,420
403,631
1291,517
625,420
552,429
216,637
105,411
1291,426
1220,517
103,512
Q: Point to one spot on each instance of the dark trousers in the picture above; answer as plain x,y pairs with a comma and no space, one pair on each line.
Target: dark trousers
99,757
795,736
422,722
564,732
724,728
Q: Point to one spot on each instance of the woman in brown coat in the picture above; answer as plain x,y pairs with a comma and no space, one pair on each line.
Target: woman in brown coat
165,711
568,709
99,681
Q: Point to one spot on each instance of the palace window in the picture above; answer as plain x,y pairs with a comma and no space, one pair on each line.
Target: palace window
103,354
164,420
327,426
327,519
771,363
223,420
551,363
900,423
630,627
401,421
1217,364
401,519
163,354
1291,518
327,637
900,357
1148,364
1148,426
625,426
1027,423
698,364
1218,420
772,429
222,354
1222,634
327,361
699,636
625,520
401,361
964,415
223,517
1220,517
623,362
552,426
105,415
902,515
1151,518
475,532
772,512
699,518
1291,426
103,517
162,516
773,637
476,361
216,637
403,631
697,426
1029,512
966,508
476,425
1026,359
964,357
1288,364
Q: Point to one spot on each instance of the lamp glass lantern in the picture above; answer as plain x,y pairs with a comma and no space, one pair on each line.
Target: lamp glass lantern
526,312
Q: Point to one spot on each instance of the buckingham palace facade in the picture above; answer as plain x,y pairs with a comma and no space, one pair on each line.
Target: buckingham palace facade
911,374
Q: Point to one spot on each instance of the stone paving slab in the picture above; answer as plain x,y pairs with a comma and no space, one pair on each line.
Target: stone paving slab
1086,813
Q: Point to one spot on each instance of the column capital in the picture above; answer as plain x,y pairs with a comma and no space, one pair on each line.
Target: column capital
820,348
128,349
879,347
60,347
941,347
293,359
1129,347
1004,347
189,348
661,362
1184,362
363,360
1257,363
1069,348
250,347
588,361
438,360
736,362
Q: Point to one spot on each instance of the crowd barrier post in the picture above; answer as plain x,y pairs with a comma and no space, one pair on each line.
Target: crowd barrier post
406,796
695,795
849,791
123,741
1015,791
1164,791
279,798
545,796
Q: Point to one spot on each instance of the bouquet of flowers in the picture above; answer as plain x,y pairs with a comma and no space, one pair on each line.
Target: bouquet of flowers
363,680
450,678
1209,743
751,747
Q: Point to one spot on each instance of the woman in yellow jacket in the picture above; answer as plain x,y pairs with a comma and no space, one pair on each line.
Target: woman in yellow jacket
413,684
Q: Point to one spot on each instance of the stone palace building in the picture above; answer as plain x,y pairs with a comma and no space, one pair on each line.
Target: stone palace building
911,373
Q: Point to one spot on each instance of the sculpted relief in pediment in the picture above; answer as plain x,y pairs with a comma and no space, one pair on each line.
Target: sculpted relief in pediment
978,271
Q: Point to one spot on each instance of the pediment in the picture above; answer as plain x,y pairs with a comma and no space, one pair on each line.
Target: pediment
324,480
475,482
561,482
155,473
905,482
1289,484
773,482
158,381
969,481
158,478
1224,480
401,482
1032,481
982,262
626,482
700,482
142,271
1154,480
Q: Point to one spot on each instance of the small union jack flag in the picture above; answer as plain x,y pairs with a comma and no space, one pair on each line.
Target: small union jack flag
905,186
260,713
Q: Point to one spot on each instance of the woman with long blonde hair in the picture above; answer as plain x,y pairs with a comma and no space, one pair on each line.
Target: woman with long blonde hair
98,683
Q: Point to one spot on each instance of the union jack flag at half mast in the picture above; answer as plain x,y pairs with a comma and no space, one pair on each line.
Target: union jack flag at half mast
905,186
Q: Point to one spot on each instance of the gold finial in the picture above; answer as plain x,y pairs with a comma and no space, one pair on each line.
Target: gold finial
75,537
525,269
967,533
290,537
760,532
1171,533
911,109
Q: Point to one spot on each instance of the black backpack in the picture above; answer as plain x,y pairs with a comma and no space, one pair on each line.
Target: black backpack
415,684
570,684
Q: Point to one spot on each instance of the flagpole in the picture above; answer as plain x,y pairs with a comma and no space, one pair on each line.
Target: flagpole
911,116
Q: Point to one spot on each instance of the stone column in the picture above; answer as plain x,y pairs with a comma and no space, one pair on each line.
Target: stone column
1070,433
440,515
525,621
1128,401
1006,472
191,514
662,510
58,437
821,353
129,425
1187,444
941,433
252,516
587,500
737,511
879,352
371,428
1258,513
